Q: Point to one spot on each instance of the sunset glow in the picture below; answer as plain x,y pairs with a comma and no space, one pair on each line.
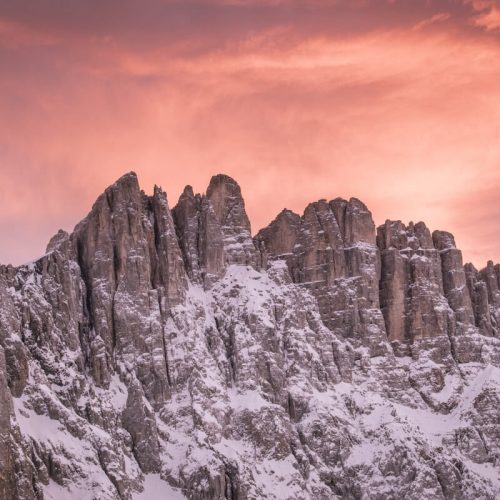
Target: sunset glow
394,102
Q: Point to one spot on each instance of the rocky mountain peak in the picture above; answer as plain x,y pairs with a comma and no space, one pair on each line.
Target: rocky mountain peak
167,353
355,220
56,240
396,235
214,229
125,188
443,240
188,192
225,196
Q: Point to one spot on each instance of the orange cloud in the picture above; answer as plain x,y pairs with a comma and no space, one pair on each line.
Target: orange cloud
487,14
489,20
407,120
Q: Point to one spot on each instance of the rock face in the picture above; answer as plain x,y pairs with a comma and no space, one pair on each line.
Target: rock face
331,252
412,295
214,230
454,280
168,353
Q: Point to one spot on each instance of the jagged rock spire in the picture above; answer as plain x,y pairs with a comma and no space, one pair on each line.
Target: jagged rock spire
224,194
214,230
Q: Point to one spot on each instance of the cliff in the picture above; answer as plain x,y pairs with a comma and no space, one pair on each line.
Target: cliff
157,352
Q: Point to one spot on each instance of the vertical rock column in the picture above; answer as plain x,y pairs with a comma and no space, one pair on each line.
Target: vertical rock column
7,472
411,285
484,287
134,272
491,276
361,252
224,195
200,237
214,230
454,280
331,250
133,269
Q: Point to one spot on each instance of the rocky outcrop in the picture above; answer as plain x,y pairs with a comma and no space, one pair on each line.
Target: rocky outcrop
483,288
224,195
154,351
200,237
7,471
454,280
411,289
214,230
331,251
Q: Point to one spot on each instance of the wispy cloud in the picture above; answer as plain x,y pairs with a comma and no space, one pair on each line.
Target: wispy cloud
297,101
436,18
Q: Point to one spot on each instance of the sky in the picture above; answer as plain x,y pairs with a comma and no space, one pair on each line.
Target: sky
390,101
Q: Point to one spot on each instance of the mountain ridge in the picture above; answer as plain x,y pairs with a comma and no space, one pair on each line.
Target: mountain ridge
159,346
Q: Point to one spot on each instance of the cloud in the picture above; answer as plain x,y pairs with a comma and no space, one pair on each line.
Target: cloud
487,14
296,102
436,18
489,20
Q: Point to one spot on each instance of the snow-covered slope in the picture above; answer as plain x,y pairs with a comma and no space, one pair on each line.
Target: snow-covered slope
167,354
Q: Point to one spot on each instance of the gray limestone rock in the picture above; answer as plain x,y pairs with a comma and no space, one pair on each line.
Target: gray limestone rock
214,230
483,289
224,195
200,237
454,280
169,351
331,251
7,470
411,288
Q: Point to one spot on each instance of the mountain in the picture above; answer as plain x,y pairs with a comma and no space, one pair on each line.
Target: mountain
166,353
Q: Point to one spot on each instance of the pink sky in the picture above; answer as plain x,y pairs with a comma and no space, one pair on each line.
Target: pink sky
394,102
